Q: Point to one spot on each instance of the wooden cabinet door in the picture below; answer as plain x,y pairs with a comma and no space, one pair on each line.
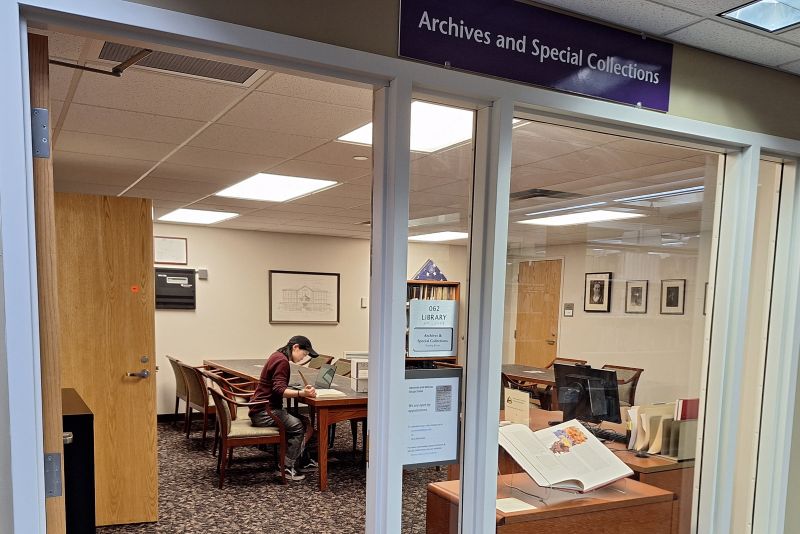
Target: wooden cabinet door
538,303
106,312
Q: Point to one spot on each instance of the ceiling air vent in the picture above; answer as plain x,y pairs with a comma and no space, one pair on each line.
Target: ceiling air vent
542,193
205,68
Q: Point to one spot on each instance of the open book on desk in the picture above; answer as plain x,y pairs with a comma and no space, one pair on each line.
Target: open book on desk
329,393
564,456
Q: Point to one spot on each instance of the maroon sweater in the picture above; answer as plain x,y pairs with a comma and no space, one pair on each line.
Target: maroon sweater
273,381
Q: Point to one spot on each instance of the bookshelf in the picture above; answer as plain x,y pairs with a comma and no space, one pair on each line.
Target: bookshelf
432,290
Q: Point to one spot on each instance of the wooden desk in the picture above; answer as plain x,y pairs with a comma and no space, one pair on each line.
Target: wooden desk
326,411
676,477
624,507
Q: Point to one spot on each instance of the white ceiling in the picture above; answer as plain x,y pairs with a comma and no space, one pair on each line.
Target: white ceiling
695,24
178,140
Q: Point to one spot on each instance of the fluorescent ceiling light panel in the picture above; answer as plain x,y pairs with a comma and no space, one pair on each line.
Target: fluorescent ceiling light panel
274,187
583,217
438,236
663,194
593,204
769,15
190,216
433,127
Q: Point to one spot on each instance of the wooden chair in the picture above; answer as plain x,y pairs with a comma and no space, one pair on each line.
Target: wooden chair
181,391
240,433
319,361
567,361
342,367
239,389
628,378
198,398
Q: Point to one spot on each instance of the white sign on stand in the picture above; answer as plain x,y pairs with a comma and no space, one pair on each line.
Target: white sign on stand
432,328
433,420
517,406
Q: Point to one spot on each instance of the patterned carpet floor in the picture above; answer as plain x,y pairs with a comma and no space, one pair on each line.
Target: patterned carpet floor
254,501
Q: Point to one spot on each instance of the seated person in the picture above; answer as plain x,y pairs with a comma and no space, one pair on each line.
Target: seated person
273,387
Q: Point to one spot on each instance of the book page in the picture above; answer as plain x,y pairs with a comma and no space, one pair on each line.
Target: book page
582,455
531,455
330,393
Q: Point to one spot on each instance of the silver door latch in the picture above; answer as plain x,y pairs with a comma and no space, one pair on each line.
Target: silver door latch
144,373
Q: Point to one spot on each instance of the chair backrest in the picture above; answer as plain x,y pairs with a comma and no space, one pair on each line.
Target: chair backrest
235,392
319,361
629,379
180,382
567,361
343,367
195,384
223,411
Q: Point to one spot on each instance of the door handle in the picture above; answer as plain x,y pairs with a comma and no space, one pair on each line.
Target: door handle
67,438
144,373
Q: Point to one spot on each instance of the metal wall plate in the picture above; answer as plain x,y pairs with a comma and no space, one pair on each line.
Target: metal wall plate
52,474
40,132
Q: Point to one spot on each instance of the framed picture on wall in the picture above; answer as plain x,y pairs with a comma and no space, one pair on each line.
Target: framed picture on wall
597,293
673,296
171,250
636,296
303,297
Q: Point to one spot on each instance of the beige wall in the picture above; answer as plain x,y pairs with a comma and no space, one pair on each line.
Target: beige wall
231,319
660,344
705,86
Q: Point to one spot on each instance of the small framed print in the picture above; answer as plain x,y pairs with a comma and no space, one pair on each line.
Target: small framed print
170,250
673,296
597,294
636,296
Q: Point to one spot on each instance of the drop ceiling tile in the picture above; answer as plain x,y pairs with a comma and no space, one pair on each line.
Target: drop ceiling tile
252,141
60,78
309,169
437,200
318,90
106,145
600,160
220,159
459,188
793,67
662,173
56,107
570,134
738,43
324,199
449,164
158,94
338,153
706,7
535,177
65,46
97,169
158,194
130,124
194,173
638,15
278,113
530,147
654,149
171,185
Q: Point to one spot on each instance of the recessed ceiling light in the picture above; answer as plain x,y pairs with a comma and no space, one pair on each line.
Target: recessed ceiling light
439,236
583,217
433,127
769,15
663,194
360,158
274,187
569,208
184,215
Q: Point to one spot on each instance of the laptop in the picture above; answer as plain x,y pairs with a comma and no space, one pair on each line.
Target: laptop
325,376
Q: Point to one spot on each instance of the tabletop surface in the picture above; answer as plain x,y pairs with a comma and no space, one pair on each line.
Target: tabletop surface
534,374
252,367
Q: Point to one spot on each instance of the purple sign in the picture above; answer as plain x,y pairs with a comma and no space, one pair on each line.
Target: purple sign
518,41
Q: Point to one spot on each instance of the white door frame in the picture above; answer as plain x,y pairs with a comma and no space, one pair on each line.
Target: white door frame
19,360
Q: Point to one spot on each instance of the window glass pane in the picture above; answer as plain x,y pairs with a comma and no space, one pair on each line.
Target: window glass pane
440,210
609,250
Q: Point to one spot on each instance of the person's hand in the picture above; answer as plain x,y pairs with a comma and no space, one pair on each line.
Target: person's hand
309,392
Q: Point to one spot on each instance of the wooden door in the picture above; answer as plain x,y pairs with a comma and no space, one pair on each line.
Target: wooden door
106,306
538,303
47,275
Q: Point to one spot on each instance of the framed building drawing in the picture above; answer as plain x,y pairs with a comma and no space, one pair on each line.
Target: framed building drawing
673,296
303,297
636,296
597,294
170,250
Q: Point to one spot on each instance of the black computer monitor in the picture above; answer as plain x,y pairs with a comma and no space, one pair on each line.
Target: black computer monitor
587,394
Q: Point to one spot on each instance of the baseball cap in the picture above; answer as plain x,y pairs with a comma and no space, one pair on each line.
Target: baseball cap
305,344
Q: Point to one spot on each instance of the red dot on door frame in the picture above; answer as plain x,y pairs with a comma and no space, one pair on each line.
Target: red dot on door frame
134,289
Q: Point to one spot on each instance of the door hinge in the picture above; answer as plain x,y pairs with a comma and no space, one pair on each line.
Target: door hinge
40,132
52,474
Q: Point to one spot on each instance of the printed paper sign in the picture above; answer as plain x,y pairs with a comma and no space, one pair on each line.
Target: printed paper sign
432,328
518,406
432,421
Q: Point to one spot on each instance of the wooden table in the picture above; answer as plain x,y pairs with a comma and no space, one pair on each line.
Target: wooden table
326,411
624,507
676,477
